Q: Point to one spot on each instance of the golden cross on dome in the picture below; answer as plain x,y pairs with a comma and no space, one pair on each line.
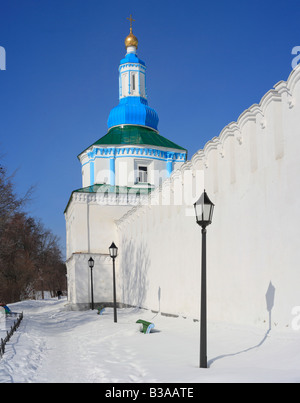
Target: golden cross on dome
130,19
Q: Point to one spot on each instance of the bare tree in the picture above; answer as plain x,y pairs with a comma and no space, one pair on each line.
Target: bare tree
30,257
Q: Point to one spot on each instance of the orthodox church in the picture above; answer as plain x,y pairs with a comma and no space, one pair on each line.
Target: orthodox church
118,171
250,172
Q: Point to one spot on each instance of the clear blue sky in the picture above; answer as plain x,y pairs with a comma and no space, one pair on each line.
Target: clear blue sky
207,62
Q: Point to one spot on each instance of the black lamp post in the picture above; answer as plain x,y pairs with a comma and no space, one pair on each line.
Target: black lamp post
91,265
113,251
204,211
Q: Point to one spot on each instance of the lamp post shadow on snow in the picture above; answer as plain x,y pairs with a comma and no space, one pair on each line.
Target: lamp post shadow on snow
270,298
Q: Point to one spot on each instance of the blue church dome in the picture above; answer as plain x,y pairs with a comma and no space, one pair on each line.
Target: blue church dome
131,58
133,111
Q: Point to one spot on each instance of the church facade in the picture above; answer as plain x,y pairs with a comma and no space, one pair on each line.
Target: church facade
119,171
138,189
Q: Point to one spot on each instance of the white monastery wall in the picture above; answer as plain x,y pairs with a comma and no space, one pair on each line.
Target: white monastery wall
251,173
79,280
90,229
86,231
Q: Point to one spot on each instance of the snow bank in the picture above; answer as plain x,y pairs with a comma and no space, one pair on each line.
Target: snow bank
54,345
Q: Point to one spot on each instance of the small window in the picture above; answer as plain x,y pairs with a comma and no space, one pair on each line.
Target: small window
133,82
142,174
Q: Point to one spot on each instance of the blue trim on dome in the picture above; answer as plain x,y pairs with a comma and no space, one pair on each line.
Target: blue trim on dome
133,111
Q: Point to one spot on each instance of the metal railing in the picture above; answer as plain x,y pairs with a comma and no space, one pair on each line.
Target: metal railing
9,333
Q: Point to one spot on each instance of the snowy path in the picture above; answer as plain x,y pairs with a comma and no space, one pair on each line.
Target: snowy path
54,345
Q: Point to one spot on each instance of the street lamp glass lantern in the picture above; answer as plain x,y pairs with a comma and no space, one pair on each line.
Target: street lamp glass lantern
113,250
91,262
204,209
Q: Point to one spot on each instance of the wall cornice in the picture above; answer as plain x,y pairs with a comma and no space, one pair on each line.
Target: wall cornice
108,199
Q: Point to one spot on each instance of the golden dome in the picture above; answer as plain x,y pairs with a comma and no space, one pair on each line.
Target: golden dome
131,40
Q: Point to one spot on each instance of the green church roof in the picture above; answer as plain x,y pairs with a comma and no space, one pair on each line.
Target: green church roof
135,135
105,188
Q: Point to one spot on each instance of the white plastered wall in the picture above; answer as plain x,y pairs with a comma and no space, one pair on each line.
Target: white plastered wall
251,173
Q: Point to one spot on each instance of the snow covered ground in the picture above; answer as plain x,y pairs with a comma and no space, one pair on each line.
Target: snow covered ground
54,345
